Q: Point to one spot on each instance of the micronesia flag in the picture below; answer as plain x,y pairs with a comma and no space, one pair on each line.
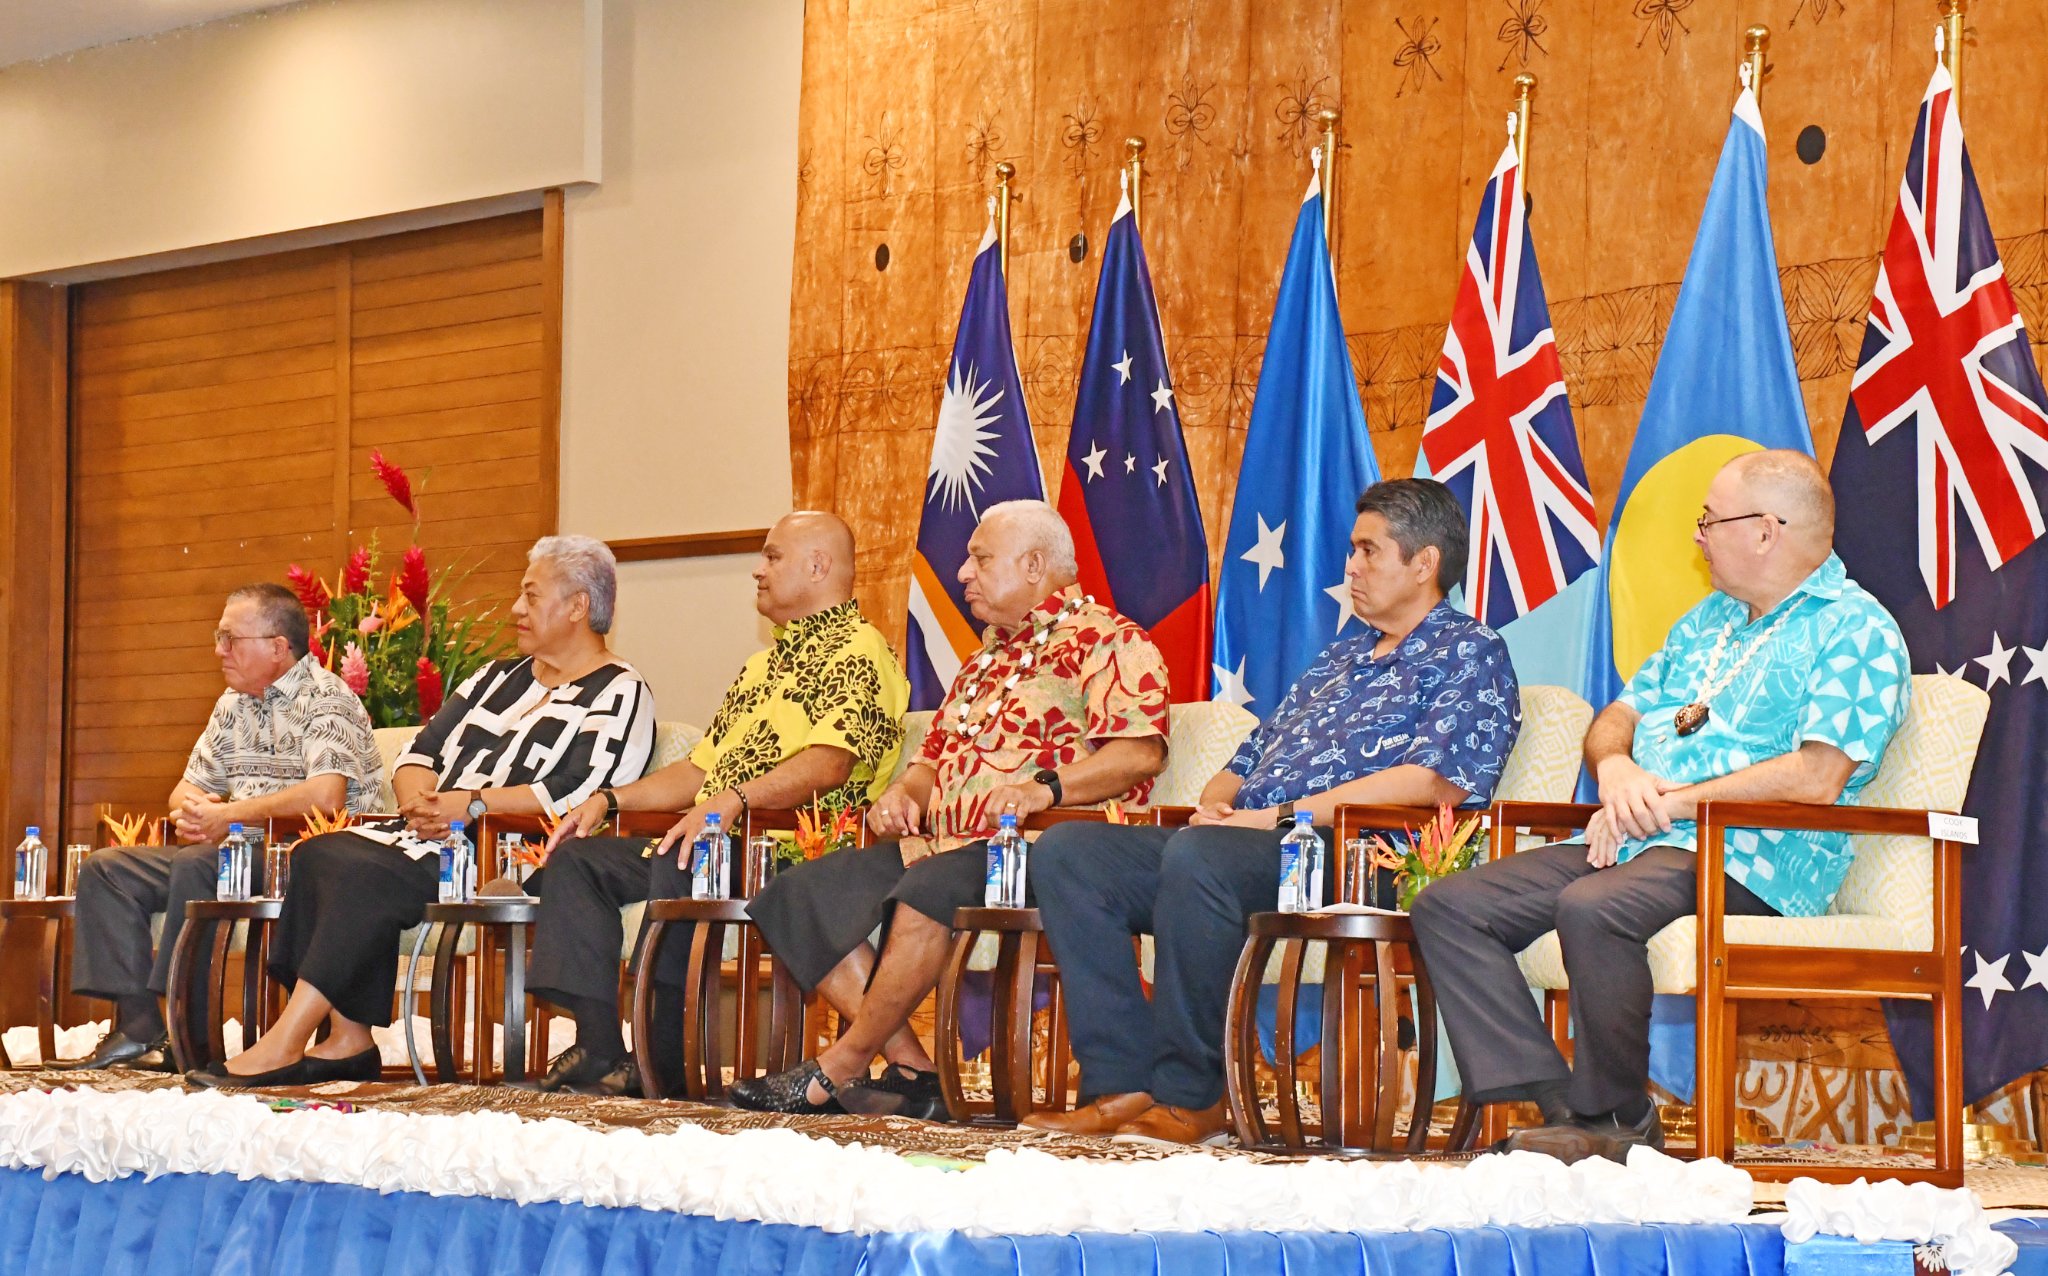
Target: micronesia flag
983,453
1938,498
1128,495
1282,596
1725,383
1500,435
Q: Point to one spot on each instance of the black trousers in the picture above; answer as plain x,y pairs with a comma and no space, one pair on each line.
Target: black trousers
1194,890
815,913
350,898
119,887
1471,925
579,934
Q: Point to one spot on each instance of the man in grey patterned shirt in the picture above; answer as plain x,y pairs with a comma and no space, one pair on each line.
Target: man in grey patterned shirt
286,738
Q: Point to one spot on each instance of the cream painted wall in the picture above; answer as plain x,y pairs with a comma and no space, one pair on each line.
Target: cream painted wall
324,112
675,357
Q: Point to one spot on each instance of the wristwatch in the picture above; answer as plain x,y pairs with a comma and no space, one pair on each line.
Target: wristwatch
1051,780
611,804
476,805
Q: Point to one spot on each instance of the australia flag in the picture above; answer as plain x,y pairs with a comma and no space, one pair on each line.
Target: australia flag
1128,495
1938,487
983,453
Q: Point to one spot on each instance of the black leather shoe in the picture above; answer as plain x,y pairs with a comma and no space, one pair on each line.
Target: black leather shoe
571,1070
1591,1136
364,1065
119,1050
898,1091
621,1082
786,1091
219,1078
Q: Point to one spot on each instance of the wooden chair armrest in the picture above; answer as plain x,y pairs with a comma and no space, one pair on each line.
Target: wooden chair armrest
1355,818
1814,817
1171,817
1546,819
1062,815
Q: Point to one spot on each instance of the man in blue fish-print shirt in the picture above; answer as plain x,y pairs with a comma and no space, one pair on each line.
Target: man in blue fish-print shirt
1784,684
1419,709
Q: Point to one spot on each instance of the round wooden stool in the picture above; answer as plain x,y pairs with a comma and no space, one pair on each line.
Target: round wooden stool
703,1067
1371,961
197,995
1022,958
503,921
50,914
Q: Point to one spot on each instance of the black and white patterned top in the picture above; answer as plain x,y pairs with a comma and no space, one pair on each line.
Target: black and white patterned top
502,728
307,723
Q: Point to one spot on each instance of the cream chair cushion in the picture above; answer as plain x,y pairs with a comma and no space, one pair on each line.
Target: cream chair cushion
1886,900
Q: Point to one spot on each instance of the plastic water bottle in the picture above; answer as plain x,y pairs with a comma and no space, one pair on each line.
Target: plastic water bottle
708,860
1301,866
458,866
232,879
31,866
1008,857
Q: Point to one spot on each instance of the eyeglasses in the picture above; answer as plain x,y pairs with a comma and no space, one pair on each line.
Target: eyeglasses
1703,522
222,638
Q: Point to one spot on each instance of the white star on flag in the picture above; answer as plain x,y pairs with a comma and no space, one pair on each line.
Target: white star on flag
1124,369
1230,686
1163,397
1947,673
1267,553
1094,462
1160,470
1341,594
1990,978
2037,968
2037,664
1130,463
1998,664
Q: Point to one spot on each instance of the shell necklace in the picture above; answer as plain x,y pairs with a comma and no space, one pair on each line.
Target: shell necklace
1694,716
999,693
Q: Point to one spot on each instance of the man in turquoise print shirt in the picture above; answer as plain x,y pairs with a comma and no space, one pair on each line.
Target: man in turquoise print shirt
1784,684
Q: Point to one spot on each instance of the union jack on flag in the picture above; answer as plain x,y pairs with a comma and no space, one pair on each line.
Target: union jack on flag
1500,431
1946,350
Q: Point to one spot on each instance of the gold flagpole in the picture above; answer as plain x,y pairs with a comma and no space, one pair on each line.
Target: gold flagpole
1005,170
1525,93
1952,13
1328,146
1756,44
1134,164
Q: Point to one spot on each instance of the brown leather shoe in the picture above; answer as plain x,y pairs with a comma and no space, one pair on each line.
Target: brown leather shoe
1164,1123
1100,1119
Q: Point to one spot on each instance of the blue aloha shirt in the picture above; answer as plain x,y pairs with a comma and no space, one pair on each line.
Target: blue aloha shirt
1836,671
1444,698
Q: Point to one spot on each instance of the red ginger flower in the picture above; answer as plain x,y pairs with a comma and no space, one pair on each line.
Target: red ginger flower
412,579
428,683
355,577
394,481
312,591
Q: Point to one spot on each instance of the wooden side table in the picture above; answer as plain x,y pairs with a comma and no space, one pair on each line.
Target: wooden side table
703,1076
198,984
1022,958
1372,960
50,914
505,921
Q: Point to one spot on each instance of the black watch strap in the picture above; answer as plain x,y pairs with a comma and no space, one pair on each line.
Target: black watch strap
611,804
1051,780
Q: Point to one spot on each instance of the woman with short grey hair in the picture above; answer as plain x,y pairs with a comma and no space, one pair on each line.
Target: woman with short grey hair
533,734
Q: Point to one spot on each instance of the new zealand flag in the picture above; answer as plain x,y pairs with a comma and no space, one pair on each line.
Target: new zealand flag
1938,487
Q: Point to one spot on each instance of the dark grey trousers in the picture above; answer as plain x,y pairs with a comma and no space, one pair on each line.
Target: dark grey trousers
1194,890
578,934
1471,925
118,888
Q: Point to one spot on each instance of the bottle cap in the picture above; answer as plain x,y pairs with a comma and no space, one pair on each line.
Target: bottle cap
1303,817
713,817
1009,820
33,831
455,826
234,828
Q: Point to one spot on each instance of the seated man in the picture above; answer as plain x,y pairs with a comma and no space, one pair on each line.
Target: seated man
538,733
816,716
286,738
1065,705
1784,684
1420,709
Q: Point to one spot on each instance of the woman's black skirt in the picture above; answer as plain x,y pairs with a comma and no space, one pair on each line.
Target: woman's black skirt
349,899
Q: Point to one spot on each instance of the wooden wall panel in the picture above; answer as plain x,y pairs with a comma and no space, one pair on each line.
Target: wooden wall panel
222,419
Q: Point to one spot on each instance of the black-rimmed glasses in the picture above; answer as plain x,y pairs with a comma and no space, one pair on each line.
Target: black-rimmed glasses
1703,522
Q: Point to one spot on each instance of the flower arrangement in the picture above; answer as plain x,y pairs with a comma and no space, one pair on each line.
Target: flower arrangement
399,650
132,830
1445,845
822,829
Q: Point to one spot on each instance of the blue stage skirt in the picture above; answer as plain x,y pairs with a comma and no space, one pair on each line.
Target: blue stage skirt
187,1224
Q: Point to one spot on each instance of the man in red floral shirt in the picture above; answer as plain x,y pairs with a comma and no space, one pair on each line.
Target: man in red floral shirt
1065,706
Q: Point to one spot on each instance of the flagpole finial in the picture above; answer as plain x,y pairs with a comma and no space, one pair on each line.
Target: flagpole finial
1134,177
1756,47
1519,119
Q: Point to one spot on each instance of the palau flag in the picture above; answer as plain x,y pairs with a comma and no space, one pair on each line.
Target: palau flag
983,453
1128,495
1282,596
1500,436
1938,483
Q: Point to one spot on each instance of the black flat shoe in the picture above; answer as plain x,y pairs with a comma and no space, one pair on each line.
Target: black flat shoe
364,1065
786,1091
219,1078
119,1050
620,1081
572,1070
899,1091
